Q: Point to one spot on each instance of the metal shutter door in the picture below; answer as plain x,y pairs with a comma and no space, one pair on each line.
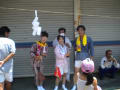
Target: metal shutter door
102,20
20,21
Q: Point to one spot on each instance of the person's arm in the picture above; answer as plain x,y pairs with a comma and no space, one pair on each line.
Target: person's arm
95,84
91,49
103,63
33,50
12,50
74,44
6,59
55,43
68,42
116,64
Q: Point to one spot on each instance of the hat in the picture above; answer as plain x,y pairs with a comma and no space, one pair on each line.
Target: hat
87,66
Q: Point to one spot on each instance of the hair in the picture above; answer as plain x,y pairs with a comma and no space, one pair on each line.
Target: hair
89,78
62,28
108,51
2,33
59,36
81,26
44,33
5,29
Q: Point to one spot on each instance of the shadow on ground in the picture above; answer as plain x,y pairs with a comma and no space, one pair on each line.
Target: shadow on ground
28,83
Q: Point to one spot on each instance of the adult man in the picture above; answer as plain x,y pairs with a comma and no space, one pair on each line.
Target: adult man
7,51
109,65
62,32
84,49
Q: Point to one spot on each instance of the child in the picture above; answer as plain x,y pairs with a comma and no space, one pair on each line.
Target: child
38,51
61,53
86,81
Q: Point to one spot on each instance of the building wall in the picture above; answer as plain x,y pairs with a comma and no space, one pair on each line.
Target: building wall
20,23
101,18
102,21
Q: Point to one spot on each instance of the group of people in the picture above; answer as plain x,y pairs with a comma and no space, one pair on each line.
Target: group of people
84,60
84,65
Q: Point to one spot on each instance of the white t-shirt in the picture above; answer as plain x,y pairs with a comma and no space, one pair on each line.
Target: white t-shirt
81,85
108,64
7,46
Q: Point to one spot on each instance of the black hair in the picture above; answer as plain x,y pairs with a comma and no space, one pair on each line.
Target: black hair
2,33
62,28
89,78
81,26
108,51
5,29
44,33
59,36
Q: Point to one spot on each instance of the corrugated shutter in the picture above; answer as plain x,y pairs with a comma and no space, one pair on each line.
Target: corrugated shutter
20,21
102,20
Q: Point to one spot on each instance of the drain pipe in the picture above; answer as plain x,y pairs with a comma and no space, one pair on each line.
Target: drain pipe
77,20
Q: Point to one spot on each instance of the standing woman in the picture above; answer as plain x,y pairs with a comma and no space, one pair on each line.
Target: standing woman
38,52
61,53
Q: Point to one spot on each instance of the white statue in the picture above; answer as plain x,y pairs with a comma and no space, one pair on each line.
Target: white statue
36,28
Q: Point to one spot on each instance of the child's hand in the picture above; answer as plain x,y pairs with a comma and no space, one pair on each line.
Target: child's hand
38,57
44,54
67,54
95,82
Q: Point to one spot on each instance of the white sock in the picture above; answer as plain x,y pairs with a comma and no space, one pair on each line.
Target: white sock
63,86
56,88
38,87
41,87
74,87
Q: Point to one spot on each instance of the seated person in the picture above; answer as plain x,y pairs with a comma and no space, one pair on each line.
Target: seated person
109,65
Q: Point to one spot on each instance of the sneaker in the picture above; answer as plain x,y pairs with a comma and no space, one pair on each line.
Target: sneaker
74,87
42,88
64,88
39,88
56,88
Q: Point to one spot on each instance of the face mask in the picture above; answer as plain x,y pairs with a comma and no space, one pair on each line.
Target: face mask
62,34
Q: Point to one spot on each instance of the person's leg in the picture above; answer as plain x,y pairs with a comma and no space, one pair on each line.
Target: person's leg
9,79
1,86
112,71
41,80
75,77
64,81
36,77
8,85
102,72
56,83
2,79
68,73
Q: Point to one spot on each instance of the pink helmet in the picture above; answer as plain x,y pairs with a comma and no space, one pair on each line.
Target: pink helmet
87,66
